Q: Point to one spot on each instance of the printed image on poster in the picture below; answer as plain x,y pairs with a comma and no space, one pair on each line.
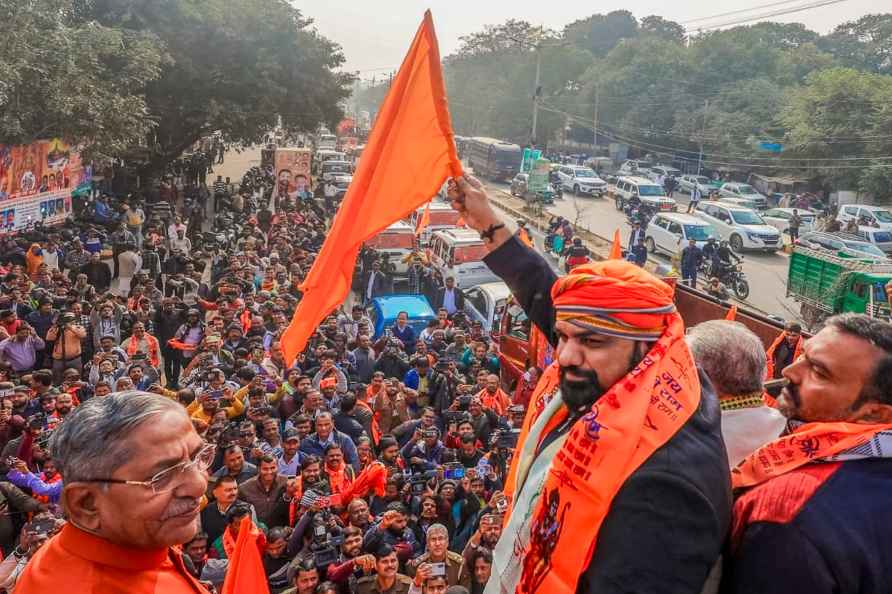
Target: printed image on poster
36,181
293,172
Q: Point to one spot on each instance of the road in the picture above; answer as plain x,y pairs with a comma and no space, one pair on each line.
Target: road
767,273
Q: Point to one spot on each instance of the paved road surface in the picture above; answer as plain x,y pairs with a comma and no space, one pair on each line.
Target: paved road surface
767,273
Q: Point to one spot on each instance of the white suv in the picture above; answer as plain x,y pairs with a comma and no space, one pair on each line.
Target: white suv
650,193
670,232
742,227
872,215
745,191
581,180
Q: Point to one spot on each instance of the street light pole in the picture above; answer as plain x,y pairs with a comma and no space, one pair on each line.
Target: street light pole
702,133
597,98
536,98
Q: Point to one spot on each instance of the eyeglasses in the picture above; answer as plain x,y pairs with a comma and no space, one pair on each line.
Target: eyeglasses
166,480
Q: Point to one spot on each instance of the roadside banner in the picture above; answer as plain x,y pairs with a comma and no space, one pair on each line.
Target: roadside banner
36,182
293,172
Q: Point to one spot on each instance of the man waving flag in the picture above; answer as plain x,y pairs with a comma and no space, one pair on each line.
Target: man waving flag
409,155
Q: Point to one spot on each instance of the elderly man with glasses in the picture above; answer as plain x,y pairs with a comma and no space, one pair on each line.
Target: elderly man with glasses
134,471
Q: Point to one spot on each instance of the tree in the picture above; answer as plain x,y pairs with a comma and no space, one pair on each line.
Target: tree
600,33
235,65
657,26
63,77
839,118
865,44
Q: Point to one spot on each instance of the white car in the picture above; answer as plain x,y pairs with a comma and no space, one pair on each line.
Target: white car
670,232
735,190
485,303
663,171
779,218
874,216
581,180
687,183
333,168
634,167
459,253
741,227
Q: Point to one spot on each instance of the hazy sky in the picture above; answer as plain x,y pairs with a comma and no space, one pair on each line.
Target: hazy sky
376,35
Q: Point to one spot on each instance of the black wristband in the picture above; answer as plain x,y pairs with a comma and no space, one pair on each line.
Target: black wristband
490,231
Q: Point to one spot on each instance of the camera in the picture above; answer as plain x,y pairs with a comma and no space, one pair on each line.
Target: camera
508,439
453,471
454,416
418,481
430,434
323,545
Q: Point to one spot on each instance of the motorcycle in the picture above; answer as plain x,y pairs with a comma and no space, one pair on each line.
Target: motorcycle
733,276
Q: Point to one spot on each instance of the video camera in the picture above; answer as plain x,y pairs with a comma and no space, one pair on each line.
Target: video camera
418,481
323,545
454,416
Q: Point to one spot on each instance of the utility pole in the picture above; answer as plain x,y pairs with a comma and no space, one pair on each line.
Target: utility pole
536,92
702,134
597,98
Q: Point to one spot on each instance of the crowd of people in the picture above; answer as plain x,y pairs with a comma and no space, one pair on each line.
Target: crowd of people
285,444
145,427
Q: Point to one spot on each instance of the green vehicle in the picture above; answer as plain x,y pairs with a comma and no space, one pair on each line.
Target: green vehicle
826,283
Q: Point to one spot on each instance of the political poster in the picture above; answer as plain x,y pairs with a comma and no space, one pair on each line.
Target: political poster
538,180
293,172
36,182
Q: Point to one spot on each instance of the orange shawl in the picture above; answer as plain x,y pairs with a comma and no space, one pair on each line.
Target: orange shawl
797,351
498,402
32,261
807,443
635,417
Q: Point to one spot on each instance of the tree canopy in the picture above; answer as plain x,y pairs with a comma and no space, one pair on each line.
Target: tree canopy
107,72
732,92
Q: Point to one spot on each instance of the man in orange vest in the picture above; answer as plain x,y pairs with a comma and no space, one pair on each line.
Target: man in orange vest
815,503
135,471
620,481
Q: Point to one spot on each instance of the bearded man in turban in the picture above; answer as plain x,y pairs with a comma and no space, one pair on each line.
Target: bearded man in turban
620,481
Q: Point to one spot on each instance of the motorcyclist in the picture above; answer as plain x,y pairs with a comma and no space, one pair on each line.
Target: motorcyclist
710,249
577,255
721,261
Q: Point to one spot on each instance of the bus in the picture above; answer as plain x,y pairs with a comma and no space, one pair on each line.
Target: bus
493,159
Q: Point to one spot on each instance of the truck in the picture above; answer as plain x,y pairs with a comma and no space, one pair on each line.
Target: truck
825,283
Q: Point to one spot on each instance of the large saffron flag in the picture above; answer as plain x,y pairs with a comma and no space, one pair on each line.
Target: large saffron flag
409,155
245,572
616,249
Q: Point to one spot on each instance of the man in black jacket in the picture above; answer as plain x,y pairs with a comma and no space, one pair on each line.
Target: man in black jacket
167,321
665,526
450,297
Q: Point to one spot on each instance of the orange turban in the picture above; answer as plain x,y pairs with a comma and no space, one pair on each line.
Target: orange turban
614,297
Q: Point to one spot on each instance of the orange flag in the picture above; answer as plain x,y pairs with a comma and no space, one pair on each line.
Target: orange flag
732,313
616,250
424,221
409,155
246,572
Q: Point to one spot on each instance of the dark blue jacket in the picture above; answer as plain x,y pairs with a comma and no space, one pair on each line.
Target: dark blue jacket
312,446
820,529
666,524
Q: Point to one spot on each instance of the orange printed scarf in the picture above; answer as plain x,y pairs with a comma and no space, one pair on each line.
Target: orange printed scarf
639,414
797,351
810,442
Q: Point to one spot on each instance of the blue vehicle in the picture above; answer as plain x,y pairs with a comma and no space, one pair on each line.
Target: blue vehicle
384,310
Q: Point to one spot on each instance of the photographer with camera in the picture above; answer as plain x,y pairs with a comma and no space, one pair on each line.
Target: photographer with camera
393,360
33,536
66,337
424,450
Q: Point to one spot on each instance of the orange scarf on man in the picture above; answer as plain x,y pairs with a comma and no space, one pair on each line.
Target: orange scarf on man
797,351
498,402
810,442
634,418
